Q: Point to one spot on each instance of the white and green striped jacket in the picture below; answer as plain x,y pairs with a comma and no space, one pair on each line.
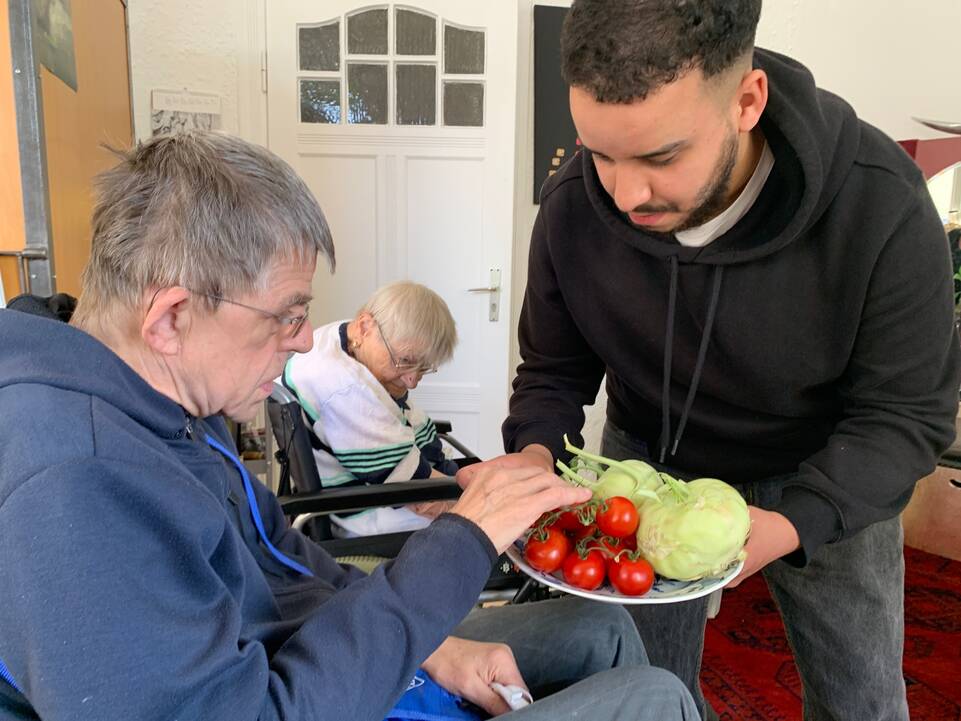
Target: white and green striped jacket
371,437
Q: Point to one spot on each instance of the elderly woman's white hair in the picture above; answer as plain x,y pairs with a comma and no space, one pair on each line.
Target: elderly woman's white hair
413,316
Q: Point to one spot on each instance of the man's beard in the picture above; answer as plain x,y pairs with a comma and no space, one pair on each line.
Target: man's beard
711,199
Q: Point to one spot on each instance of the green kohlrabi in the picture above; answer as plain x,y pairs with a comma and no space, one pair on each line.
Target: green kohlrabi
698,529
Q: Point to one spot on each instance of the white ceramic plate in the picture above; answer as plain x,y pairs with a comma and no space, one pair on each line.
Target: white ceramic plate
663,591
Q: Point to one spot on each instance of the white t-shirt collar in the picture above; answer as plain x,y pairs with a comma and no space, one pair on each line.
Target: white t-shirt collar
716,227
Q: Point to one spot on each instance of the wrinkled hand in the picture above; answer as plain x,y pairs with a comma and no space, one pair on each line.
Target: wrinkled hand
505,502
467,668
533,456
431,509
772,536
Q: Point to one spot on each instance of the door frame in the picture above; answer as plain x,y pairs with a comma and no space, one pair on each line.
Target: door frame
252,73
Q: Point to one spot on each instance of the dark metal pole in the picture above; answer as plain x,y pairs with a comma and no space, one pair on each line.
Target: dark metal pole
38,259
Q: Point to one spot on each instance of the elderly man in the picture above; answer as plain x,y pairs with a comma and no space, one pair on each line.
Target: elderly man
146,576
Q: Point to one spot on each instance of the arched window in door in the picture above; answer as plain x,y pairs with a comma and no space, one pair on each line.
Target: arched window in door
392,66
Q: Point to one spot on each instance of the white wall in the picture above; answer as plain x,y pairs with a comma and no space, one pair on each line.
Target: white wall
201,47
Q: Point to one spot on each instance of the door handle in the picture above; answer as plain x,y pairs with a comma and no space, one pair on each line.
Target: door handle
494,288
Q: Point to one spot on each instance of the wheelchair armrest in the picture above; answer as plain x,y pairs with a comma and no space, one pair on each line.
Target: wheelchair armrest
359,498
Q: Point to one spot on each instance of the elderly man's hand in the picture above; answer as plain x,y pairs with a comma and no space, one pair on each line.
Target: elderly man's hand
533,456
504,502
431,509
467,668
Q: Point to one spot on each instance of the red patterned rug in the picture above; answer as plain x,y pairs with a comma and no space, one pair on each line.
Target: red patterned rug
749,675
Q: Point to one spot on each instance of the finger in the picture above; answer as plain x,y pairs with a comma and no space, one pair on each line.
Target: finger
466,475
541,493
748,570
554,496
487,699
509,675
497,478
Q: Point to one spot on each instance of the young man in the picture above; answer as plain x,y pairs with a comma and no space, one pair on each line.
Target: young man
146,576
766,284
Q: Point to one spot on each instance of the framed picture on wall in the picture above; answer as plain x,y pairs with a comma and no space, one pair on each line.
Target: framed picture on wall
53,38
174,111
555,139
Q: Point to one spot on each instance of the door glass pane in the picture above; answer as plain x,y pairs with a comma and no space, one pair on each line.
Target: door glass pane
319,47
367,32
464,104
416,94
319,101
416,33
463,51
366,93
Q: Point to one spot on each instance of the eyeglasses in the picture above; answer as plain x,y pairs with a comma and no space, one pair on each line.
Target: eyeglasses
292,324
406,367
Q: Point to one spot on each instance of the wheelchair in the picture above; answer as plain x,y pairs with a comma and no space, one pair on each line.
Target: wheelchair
308,503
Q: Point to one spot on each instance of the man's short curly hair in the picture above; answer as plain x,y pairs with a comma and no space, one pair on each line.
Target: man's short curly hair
622,50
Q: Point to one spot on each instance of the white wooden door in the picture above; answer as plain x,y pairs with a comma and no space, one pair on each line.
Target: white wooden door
401,119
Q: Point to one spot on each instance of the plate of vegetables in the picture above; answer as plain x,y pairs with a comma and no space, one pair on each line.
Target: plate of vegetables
645,537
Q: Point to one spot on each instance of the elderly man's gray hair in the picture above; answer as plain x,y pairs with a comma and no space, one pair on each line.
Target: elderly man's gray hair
203,210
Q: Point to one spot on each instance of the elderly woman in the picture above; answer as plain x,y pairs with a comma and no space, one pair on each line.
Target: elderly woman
354,387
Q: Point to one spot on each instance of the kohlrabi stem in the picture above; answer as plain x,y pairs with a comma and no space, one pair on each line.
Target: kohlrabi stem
679,488
573,477
590,465
579,480
632,472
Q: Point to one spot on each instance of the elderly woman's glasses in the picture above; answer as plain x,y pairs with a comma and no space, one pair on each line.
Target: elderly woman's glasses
292,324
403,365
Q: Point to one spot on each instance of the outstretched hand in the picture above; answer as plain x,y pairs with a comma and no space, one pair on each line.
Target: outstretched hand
467,668
505,502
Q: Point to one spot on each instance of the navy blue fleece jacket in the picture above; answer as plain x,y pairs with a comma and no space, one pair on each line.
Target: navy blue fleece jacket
134,585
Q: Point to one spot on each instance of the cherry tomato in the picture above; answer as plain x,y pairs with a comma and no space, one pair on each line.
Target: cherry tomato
632,578
583,531
617,517
586,573
568,520
546,551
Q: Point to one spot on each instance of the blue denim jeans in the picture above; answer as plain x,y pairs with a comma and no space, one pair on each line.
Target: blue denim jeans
843,613
587,656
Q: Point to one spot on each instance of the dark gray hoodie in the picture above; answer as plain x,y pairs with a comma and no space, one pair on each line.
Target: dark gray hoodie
813,342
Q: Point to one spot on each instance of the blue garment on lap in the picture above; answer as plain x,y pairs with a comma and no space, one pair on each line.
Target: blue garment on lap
425,700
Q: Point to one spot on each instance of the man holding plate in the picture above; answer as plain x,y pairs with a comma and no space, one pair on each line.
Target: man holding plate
765,282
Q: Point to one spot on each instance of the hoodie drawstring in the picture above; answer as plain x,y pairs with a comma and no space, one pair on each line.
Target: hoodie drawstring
665,441
668,359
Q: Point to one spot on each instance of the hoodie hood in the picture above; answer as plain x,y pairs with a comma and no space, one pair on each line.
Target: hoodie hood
73,360
814,136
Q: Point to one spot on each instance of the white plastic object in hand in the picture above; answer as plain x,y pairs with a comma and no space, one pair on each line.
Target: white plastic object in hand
515,696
